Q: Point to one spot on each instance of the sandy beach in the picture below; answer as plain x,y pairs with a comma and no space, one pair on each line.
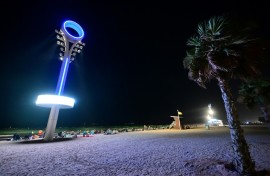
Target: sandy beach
155,152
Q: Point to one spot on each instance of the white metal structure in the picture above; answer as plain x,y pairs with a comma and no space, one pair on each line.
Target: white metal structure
70,46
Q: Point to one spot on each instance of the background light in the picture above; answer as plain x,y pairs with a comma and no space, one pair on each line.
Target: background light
210,111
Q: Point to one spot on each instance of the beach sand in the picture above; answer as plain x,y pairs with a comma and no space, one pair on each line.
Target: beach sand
155,152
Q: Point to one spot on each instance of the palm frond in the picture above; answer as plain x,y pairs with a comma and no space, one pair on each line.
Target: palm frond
193,41
201,30
216,25
219,50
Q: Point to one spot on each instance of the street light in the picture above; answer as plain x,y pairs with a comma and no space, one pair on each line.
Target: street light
209,116
210,111
69,47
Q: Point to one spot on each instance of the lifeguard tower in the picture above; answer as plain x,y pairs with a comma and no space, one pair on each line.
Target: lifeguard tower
176,124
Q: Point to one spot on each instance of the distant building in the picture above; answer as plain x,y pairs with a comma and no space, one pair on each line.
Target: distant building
215,122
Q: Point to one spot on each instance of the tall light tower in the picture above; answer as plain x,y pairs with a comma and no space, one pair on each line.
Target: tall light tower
70,46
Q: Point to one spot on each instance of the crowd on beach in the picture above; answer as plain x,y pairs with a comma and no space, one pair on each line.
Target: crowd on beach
85,133
88,133
31,136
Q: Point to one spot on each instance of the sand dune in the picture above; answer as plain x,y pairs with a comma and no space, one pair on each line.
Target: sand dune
155,152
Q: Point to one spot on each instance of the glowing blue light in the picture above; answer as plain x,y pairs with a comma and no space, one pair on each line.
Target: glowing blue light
63,76
76,27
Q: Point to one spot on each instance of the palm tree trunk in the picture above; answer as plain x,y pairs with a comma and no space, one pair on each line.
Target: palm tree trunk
242,159
266,116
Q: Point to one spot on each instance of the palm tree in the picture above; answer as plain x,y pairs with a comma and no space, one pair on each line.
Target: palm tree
220,52
256,92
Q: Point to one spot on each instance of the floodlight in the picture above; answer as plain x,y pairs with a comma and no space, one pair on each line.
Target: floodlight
210,111
55,100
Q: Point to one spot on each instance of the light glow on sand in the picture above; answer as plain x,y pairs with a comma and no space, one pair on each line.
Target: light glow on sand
53,100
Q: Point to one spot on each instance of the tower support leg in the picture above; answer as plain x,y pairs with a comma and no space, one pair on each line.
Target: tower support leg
49,132
177,123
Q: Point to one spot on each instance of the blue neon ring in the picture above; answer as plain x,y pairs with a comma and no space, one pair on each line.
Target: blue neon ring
76,27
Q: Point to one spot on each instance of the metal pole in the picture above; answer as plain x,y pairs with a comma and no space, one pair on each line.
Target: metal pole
53,117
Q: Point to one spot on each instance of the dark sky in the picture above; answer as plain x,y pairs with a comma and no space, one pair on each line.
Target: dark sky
130,70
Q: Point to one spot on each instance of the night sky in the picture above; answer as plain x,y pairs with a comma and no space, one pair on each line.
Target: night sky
130,70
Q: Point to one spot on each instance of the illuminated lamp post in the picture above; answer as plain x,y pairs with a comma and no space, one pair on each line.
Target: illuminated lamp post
209,116
210,112
70,45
